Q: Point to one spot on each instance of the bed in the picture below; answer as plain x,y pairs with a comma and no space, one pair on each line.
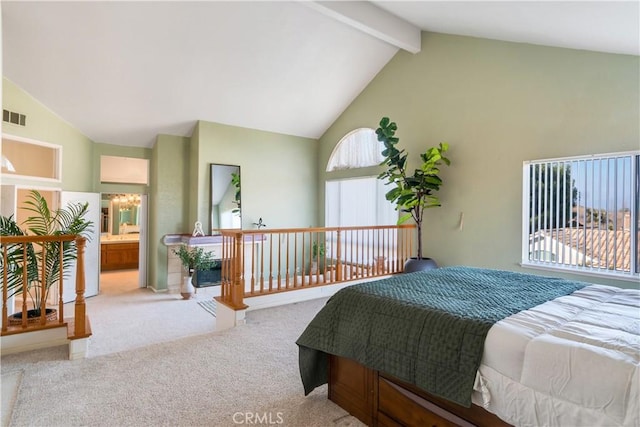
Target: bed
463,345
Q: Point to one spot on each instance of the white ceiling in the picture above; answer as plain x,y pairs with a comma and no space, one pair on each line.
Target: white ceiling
123,72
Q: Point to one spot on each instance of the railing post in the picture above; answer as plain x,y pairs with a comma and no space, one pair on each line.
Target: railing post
237,287
338,256
61,285
80,306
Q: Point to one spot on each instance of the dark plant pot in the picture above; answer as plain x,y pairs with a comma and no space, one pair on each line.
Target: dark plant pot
422,264
210,277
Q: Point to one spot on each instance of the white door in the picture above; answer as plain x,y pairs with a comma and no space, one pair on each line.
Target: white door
92,248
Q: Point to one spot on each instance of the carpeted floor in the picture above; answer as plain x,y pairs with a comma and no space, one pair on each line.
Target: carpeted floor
239,376
10,383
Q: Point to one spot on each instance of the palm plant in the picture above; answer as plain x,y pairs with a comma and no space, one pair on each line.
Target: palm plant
45,261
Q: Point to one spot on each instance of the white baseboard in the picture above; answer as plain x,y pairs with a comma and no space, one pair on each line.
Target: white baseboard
298,295
46,338
18,343
227,318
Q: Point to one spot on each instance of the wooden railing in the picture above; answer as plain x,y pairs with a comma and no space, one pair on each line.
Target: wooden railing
262,262
14,257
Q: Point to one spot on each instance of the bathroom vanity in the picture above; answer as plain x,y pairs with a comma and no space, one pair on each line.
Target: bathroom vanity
119,254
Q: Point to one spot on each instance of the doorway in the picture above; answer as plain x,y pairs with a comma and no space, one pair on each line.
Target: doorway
122,242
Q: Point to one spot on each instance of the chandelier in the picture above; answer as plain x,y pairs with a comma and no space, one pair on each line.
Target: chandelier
126,201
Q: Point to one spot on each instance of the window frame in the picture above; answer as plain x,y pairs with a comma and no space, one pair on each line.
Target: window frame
12,177
634,182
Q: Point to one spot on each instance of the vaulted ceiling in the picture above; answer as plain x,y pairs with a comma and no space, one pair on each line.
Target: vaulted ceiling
123,72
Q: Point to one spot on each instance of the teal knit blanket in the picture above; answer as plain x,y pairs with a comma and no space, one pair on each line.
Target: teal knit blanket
425,328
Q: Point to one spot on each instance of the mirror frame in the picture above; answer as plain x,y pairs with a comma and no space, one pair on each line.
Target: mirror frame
223,185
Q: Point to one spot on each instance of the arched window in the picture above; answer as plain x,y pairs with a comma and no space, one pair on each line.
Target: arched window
357,149
359,200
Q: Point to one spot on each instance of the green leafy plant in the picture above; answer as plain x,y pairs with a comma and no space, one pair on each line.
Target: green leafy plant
317,250
46,255
195,258
412,193
235,181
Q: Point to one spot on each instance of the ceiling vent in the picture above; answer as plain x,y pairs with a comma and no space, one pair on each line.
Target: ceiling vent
13,117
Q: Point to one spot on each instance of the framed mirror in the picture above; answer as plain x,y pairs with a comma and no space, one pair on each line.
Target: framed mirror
120,214
226,209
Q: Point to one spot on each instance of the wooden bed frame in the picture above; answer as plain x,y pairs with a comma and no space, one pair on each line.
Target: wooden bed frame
377,399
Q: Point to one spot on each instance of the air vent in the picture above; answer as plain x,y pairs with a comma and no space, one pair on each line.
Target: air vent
13,117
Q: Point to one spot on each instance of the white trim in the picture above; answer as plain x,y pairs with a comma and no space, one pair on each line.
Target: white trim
526,215
56,147
13,178
30,140
577,270
583,157
27,341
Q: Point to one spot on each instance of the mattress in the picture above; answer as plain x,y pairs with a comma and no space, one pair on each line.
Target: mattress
572,361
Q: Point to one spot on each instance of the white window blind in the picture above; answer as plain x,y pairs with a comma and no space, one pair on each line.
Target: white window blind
358,201
581,214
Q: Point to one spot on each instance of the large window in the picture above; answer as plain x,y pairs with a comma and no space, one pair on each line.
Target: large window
361,200
581,214
358,201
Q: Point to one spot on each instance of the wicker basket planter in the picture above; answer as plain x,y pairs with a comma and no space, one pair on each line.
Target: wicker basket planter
32,317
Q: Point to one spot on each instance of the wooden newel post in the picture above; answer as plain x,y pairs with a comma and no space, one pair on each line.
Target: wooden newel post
237,287
80,306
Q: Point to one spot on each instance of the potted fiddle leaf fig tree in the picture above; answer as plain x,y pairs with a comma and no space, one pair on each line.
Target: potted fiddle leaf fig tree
412,193
46,256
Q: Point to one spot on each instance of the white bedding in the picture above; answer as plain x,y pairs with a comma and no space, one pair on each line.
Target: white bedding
573,361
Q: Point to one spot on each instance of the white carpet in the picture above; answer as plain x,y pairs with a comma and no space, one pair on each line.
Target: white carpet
10,386
201,379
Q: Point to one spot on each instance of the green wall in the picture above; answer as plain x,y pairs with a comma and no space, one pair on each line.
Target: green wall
278,174
168,201
279,179
496,104
45,126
